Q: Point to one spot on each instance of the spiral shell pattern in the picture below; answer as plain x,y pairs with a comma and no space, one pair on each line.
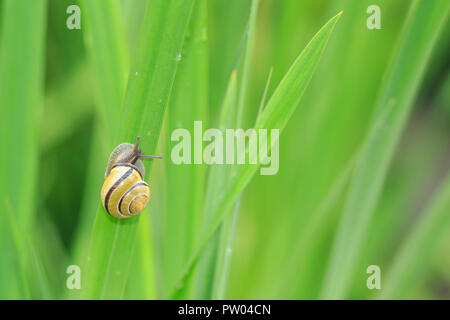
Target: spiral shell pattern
124,193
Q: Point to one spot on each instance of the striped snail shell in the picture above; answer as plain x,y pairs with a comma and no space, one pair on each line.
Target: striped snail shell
124,192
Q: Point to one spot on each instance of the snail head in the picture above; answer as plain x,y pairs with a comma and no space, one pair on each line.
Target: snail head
137,153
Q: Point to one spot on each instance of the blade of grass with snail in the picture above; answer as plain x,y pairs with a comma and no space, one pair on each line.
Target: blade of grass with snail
109,58
21,86
105,41
419,35
149,86
279,108
188,104
141,283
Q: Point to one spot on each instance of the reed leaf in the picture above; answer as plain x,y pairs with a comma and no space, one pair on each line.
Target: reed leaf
399,92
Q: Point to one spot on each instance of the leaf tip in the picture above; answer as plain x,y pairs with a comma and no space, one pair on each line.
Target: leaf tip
335,19
338,16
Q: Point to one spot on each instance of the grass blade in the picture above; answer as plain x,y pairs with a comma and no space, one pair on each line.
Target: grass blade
107,46
266,89
19,248
415,252
217,180
216,249
109,58
417,248
224,255
420,33
314,230
149,86
245,67
26,252
21,85
276,114
226,44
58,127
38,270
229,229
133,14
189,103
141,283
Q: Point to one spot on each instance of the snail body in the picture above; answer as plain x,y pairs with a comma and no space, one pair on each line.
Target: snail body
124,193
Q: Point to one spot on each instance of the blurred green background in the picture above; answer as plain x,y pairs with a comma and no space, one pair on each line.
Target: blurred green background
278,243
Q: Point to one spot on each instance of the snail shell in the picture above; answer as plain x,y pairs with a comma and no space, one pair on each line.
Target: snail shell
124,193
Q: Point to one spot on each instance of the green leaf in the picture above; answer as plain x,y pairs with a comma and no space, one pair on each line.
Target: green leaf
21,85
149,86
105,40
214,258
218,179
225,250
399,92
26,252
416,250
104,35
189,103
19,248
314,230
246,62
275,116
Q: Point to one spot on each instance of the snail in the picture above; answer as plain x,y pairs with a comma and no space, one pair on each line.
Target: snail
124,193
